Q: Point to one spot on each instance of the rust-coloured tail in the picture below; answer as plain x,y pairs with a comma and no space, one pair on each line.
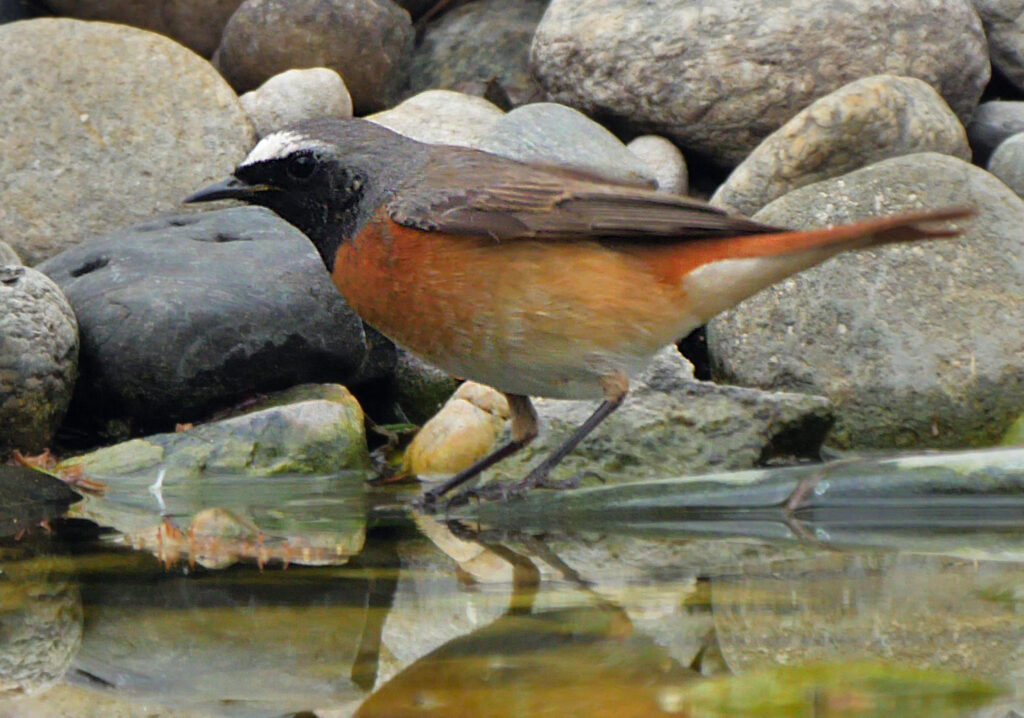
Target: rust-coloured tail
905,227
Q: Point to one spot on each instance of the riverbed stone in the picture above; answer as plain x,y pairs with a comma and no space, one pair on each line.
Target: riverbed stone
1004,28
196,24
367,42
718,78
442,117
141,122
992,124
471,45
38,358
297,95
671,425
191,313
860,123
663,160
1007,163
553,134
910,341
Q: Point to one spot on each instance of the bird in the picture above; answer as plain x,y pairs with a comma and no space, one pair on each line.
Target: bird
534,279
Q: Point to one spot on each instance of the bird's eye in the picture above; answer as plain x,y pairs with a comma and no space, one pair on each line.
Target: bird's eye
301,167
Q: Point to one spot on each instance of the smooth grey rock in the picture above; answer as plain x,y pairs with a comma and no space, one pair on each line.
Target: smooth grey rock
1004,27
442,117
672,424
1007,163
865,121
718,78
663,160
196,24
912,342
296,95
141,122
470,45
992,124
553,134
367,42
38,358
191,313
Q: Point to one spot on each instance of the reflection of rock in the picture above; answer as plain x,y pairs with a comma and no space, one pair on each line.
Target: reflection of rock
434,602
28,497
40,624
922,611
575,661
235,643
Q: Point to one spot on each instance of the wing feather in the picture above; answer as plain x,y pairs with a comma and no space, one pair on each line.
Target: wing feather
464,191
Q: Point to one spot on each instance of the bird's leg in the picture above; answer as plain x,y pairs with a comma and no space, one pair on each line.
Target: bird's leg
615,388
524,430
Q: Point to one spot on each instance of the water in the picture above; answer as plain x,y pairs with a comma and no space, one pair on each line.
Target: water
172,614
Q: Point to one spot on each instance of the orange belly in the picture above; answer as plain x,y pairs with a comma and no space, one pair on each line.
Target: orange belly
526,317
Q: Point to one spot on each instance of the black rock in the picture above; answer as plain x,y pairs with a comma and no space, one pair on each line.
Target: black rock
190,313
28,497
11,10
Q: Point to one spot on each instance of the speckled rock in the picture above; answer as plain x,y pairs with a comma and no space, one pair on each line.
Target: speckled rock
466,429
664,161
38,358
196,24
1004,27
992,123
672,424
297,95
719,77
367,42
549,133
468,46
910,341
442,117
192,313
863,122
142,121
1007,163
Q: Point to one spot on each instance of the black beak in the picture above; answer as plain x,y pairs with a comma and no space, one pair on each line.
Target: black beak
231,188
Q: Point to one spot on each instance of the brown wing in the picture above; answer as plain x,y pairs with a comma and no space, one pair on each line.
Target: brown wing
463,191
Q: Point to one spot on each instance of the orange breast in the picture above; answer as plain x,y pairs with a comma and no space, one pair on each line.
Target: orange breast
527,317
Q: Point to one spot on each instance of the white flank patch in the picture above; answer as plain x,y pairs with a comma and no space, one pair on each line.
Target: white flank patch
278,145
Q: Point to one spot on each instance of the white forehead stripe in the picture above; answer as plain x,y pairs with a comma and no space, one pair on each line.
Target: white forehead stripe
280,144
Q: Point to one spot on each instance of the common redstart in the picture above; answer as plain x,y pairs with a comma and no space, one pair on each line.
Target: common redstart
536,280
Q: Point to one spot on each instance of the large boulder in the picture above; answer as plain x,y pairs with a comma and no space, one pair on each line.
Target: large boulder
865,121
103,126
367,42
196,24
191,313
918,345
719,77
